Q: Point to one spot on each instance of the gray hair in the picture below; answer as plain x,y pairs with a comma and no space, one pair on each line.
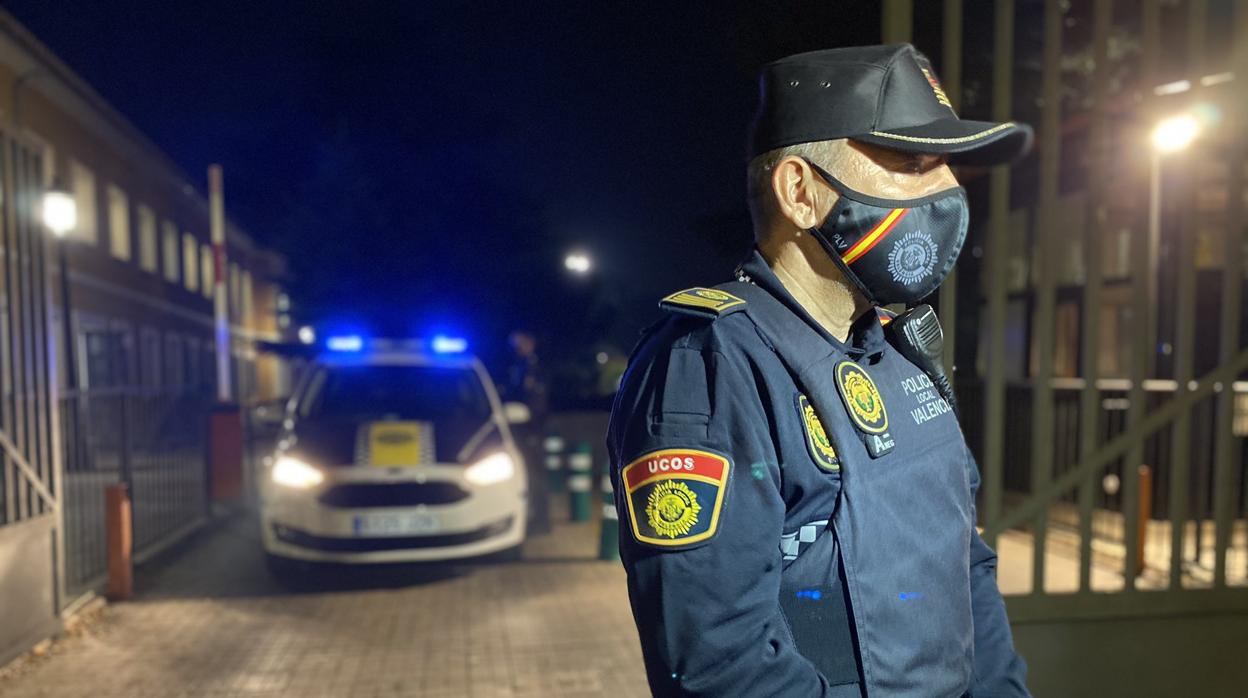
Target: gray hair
758,177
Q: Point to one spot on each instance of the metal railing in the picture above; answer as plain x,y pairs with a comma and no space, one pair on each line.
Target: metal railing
1151,471
154,440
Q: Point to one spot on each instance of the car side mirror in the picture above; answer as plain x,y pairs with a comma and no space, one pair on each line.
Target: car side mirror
517,413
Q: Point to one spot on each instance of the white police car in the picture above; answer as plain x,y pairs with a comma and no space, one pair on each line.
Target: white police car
394,452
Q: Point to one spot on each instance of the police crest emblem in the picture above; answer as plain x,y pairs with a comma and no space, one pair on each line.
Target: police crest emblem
674,496
672,509
821,448
865,406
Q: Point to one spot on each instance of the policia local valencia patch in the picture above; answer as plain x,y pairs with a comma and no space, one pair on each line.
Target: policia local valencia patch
865,406
674,496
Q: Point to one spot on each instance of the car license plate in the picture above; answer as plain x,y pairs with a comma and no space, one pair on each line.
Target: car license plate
404,524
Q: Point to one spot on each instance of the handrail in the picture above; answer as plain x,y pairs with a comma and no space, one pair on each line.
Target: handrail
32,476
1118,446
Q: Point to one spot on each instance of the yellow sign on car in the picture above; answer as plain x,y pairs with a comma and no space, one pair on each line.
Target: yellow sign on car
392,444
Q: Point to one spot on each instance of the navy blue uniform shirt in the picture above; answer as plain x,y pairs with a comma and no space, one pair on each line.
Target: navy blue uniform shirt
797,513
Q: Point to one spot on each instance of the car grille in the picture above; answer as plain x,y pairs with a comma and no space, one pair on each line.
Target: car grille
330,544
362,495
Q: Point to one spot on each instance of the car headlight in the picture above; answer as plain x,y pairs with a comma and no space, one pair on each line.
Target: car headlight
292,472
491,469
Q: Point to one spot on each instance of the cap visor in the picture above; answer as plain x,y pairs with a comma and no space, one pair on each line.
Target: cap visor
965,142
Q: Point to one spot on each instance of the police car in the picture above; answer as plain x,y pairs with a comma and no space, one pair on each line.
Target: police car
394,452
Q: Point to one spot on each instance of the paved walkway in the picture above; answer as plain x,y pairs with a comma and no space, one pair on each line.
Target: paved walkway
208,621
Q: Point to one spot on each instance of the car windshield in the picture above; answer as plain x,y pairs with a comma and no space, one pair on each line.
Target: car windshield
402,392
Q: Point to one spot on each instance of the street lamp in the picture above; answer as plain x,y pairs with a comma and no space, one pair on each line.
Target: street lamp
1171,135
1175,133
60,212
578,263
60,215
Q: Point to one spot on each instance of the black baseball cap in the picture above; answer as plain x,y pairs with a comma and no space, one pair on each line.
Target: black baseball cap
885,95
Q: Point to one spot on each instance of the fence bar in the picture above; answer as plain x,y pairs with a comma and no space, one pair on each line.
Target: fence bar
1225,442
1044,275
1144,284
1118,446
1090,333
996,264
898,21
1184,335
951,75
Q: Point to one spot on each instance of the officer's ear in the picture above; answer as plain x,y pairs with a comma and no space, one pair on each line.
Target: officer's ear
802,197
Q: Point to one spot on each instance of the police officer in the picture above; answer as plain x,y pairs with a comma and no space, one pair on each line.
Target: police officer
797,499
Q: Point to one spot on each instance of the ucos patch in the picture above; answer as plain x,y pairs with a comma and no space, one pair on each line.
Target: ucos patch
674,496
821,448
865,406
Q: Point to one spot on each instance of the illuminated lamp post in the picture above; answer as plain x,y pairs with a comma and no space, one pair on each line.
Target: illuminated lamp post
60,216
1170,136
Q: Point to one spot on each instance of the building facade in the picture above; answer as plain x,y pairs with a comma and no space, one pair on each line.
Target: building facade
107,350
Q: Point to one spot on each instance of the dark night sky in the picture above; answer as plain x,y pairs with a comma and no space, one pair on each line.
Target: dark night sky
429,163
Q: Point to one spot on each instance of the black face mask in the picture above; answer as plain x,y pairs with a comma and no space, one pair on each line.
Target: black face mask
895,251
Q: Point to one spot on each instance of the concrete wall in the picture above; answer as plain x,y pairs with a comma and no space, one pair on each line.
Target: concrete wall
27,604
1194,655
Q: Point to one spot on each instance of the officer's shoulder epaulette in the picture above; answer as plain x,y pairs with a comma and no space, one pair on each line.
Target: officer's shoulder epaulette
702,302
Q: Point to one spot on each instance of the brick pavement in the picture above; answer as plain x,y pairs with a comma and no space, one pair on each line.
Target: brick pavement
208,621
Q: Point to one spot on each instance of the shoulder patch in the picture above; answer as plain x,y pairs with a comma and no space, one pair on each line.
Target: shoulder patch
674,496
702,302
820,445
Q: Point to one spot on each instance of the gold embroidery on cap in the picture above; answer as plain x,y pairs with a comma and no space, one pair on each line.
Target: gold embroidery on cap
962,139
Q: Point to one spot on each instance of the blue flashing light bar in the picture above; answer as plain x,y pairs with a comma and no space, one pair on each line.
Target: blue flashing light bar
441,344
351,342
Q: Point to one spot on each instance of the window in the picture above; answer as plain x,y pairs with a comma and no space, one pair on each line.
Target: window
147,239
169,233
207,270
82,181
149,357
174,360
366,392
118,222
106,357
193,378
190,262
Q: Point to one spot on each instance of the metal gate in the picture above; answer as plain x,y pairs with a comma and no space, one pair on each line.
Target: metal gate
1102,354
30,483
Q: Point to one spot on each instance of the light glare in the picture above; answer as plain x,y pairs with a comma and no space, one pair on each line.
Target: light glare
449,345
307,335
351,342
1175,133
491,469
60,212
292,472
578,263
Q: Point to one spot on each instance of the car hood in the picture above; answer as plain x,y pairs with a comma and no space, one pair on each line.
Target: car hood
332,442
